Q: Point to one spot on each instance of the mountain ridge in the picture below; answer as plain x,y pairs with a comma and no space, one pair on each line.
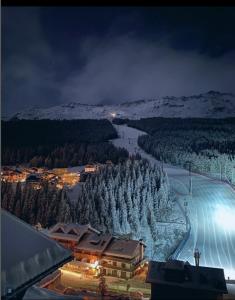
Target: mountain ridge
212,104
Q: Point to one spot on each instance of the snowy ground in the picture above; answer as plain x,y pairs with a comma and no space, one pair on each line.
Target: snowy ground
74,191
211,209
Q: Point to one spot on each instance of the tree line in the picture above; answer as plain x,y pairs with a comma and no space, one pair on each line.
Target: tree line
131,197
47,205
54,143
207,145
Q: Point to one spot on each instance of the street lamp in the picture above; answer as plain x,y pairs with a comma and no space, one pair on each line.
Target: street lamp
186,216
161,160
197,256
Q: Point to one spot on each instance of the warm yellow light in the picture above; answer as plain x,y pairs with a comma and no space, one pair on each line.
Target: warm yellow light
95,264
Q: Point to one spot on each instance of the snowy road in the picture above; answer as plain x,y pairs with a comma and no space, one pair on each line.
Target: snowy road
211,209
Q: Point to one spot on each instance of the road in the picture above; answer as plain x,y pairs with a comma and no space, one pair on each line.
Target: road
211,209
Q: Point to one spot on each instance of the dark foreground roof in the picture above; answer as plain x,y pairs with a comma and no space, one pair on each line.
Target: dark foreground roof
186,276
38,293
27,255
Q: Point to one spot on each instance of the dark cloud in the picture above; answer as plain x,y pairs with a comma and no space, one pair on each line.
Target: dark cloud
108,55
127,68
28,71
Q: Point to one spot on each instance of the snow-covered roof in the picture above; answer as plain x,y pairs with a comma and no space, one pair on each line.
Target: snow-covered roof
122,248
27,254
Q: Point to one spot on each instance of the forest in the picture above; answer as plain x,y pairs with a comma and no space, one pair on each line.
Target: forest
47,205
204,145
131,197
54,143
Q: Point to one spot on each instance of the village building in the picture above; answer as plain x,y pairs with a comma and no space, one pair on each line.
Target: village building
59,177
60,171
34,180
91,168
178,280
94,250
109,163
13,175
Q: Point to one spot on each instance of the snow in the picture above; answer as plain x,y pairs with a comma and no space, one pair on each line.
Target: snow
210,232
74,192
26,253
208,105
76,169
231,291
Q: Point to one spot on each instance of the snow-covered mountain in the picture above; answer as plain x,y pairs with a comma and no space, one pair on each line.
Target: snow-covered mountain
209,105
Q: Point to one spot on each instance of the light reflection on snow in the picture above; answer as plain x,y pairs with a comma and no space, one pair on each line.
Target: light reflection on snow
229,273
225,217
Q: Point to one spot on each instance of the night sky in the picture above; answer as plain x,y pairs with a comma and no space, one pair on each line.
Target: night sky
53,55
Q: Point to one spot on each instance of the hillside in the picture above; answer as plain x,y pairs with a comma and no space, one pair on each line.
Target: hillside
207,105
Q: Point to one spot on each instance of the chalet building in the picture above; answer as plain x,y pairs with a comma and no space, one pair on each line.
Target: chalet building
33,178
177,280
91,168
117,257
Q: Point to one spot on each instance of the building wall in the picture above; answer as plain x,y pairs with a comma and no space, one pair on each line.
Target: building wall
117,273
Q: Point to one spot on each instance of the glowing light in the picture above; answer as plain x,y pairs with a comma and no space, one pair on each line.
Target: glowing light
229,273
95,264
224,217
113,114
71,273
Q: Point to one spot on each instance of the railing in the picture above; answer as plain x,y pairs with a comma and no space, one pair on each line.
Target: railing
111,266
49,279
175,253
215,176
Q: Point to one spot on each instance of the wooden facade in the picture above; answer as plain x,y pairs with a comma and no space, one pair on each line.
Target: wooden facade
117,257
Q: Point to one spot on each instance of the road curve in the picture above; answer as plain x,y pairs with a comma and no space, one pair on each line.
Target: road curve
211,209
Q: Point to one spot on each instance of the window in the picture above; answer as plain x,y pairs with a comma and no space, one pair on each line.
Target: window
123,265
114,273
123,274
114,263
72,232
59,230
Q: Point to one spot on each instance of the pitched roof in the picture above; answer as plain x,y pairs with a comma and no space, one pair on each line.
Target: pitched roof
71,231
27,254
92,241
203,278
122,248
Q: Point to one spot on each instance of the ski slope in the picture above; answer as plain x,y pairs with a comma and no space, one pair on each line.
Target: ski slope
211,209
